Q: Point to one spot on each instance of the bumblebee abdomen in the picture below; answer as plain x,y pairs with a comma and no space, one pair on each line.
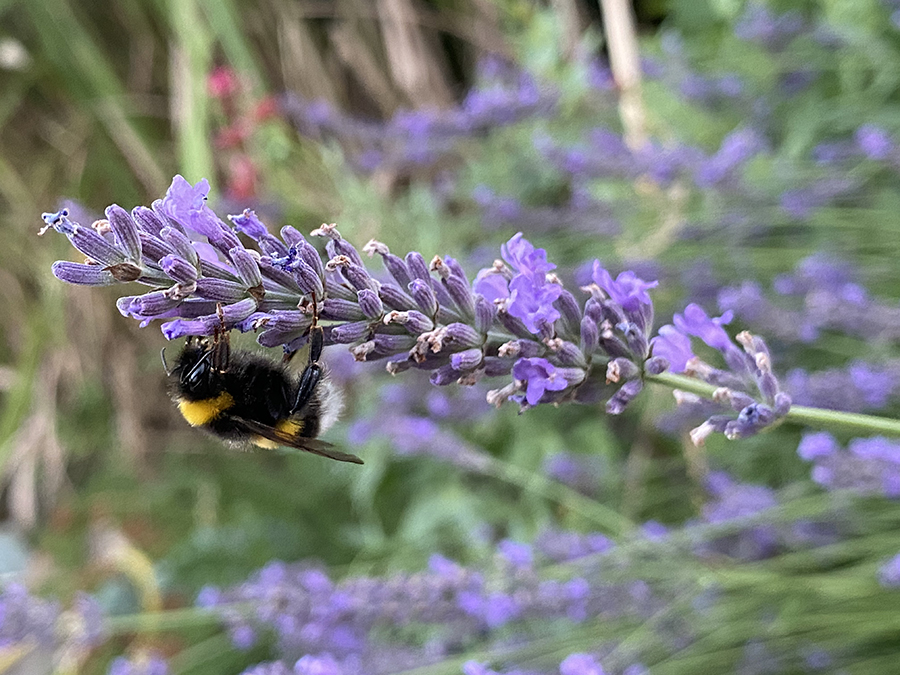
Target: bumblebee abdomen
202,412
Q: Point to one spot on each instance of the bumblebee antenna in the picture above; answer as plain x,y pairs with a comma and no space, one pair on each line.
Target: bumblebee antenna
162,355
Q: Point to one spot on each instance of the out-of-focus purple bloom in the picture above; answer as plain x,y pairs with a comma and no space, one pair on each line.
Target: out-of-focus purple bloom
816,445
580,664
774,31
26,618
889,573
143,664
874,142
736,149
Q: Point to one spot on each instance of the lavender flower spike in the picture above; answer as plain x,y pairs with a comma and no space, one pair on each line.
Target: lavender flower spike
516,321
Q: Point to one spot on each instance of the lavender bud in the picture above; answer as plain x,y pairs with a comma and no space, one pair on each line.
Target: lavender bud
220,290
495,367
513,325
291,236
635,338
455,268
362,351
593,309
153,247
394,264
709,427
656,365
417,267
414,322
738,400
348,333
84,275
246,267
525,349
180,244
497,397
468,359
485,313
621,369
569,312
311,257
233,313
278,276
370,304
147,305
336,309
388,345
620,400
590,335
782,403
459,290
249,224
462,335
337,245
307,279
768,385
147,220
568,354
94,246
423,294
179,269
335,289
394,296
357,275
125,231
444,375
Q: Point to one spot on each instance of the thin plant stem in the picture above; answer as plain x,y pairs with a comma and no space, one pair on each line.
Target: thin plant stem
816,417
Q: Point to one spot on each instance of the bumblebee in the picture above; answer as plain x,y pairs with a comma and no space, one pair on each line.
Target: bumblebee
243,397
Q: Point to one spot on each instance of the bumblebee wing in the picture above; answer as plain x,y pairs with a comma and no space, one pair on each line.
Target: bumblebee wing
313,445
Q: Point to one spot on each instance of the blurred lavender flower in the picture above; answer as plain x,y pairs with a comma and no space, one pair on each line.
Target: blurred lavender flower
25,618
413,139
889,574
868,465
773,31
749,370
732,500
343,623
142,664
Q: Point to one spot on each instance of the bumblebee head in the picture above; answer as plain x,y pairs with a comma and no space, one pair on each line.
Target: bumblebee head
193,374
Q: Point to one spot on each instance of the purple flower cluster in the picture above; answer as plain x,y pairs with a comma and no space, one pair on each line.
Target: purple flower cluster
606,156
358,625
413,139
867,465
422,315
821,294
749,370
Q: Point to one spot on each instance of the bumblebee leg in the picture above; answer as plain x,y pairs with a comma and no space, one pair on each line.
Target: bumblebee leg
221,346
311,375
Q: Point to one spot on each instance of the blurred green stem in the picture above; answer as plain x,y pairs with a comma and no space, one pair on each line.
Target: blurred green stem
814,417
607,519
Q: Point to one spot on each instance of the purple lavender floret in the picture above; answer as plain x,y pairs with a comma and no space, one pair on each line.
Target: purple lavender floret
889,573
143,664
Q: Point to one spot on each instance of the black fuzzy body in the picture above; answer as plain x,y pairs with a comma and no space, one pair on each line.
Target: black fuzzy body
263,391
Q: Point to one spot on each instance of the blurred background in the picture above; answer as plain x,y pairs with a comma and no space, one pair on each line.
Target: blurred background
743,153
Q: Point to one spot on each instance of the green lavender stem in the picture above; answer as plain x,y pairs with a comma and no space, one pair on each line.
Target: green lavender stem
814,417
